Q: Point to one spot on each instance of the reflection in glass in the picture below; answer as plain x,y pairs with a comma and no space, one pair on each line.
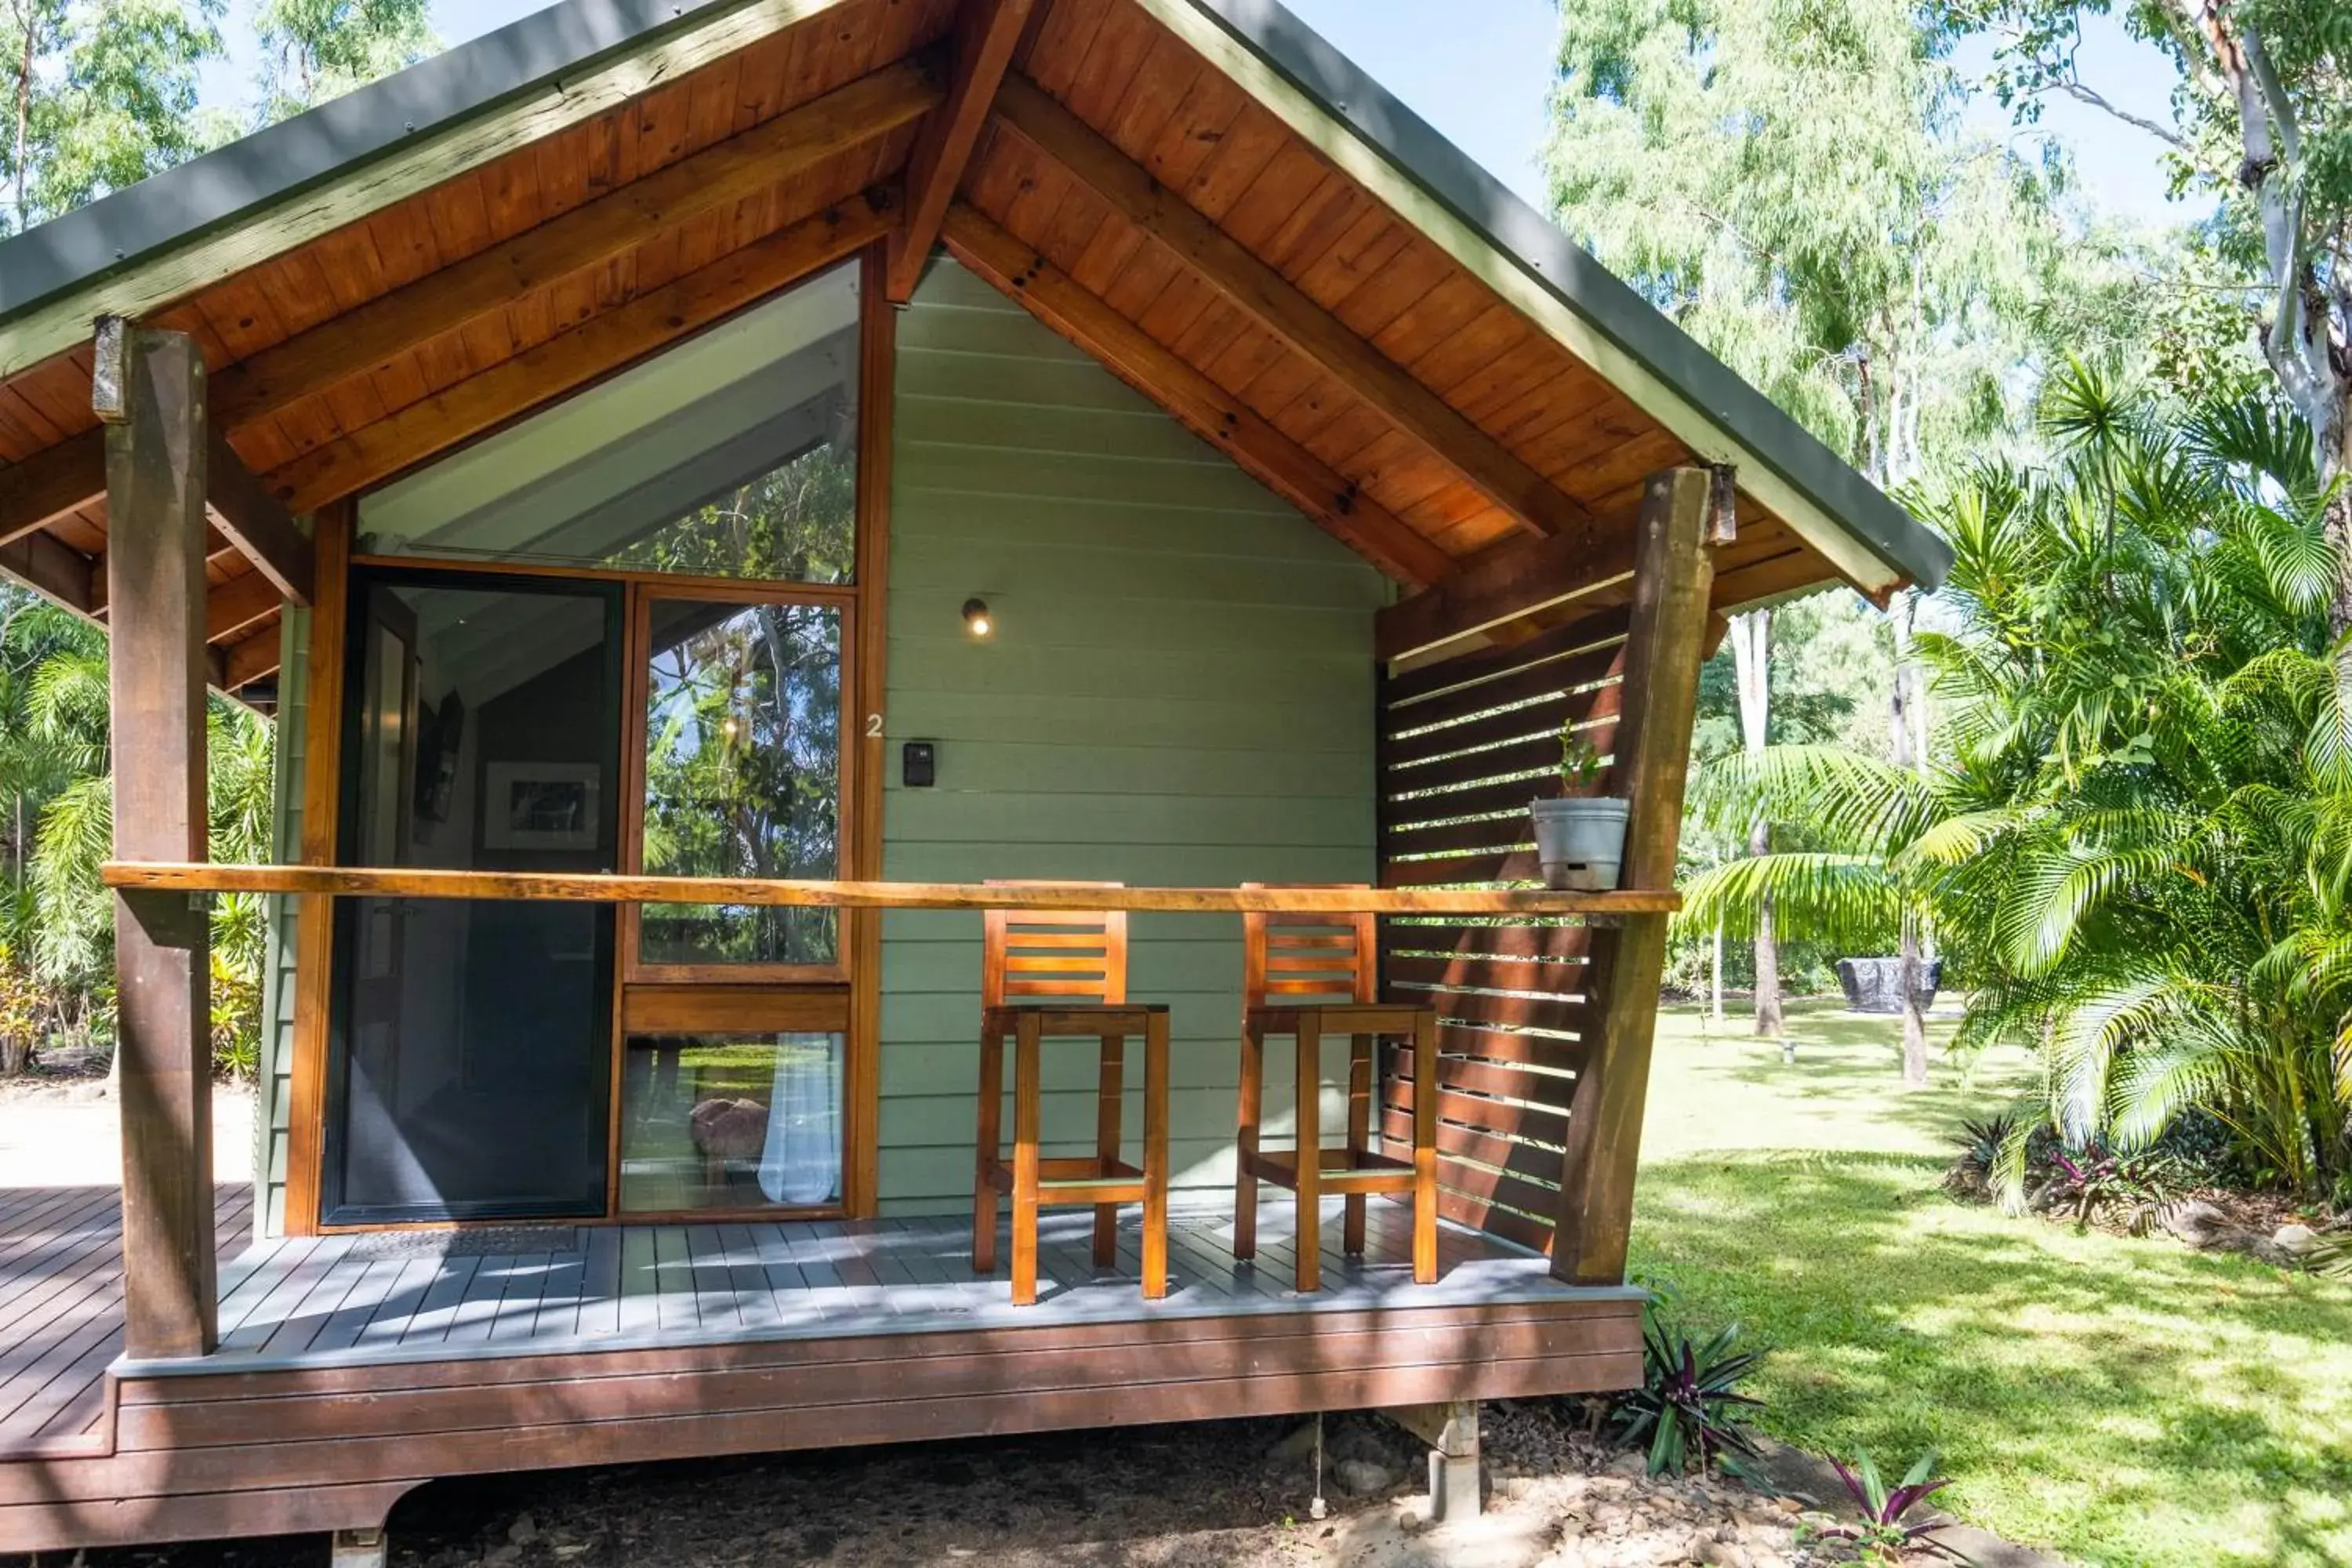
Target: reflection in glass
742,775
731,1122
470,1076
732,454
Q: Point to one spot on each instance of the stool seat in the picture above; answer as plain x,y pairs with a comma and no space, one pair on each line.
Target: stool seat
1304,978
1063,976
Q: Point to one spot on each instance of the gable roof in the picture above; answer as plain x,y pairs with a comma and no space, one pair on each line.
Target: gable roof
1217,101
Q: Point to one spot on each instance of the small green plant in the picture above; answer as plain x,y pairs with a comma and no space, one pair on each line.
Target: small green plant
1580,762
1884,1538
2132,1189
1687,1406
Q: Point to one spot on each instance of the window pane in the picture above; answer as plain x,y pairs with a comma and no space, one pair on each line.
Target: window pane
731,1122
732,454
742,775
472,1066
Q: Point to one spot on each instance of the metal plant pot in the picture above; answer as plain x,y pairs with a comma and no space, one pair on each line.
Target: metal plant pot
1581,842
1876,985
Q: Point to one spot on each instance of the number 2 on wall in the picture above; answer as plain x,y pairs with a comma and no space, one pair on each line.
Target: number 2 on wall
874,726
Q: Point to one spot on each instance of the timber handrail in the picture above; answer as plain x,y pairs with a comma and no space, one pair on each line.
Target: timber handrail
369,882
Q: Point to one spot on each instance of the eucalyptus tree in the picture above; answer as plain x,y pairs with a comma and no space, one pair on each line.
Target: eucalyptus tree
2261,118
314,50
101,94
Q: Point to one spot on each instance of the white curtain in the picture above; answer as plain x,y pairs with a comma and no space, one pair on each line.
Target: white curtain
802,1164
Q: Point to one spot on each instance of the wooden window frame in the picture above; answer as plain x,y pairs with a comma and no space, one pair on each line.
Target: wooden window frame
637,642
853,983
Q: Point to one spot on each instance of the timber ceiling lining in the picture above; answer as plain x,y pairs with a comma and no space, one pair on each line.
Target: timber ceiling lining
1405,404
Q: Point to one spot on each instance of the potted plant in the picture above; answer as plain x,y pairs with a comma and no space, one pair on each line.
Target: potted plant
1580,837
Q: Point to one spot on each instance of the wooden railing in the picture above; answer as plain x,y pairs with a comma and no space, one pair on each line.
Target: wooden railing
372,882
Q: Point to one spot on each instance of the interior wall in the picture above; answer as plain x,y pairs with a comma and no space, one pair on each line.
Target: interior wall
1179,692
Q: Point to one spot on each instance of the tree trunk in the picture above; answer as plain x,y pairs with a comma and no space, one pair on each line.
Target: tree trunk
2336,461
1914,1022
1751,652
1715,987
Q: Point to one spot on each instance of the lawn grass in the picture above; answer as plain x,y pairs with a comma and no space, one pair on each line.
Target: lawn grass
2120,1402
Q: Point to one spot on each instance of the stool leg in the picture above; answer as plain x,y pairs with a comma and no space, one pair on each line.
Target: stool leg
1026,1111
1425,1149
990,1147
1309,1193
1360,1051
1110,1091
1155,1157
1253,1102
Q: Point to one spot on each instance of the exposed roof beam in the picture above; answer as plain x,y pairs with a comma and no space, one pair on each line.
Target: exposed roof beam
488,282
597,347
250,518
51,483
242,663
72,474
1198,403
1504,583
986,34
1279,306
273,192
236,604
52,569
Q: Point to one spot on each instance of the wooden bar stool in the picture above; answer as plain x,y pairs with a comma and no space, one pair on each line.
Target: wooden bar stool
1307,976
1061,975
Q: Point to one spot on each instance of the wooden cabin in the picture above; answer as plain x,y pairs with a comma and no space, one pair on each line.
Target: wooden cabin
708,493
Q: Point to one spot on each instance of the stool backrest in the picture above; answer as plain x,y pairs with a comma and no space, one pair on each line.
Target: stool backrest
1031,955
1298,961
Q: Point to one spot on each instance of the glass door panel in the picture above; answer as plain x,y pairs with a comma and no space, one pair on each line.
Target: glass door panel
742,778
470,1070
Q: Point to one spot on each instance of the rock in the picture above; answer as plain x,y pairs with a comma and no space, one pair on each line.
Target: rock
1723,1554
1409,1523
1294,1448
2294,1240
1631,1462
523,1531
1788,1505
505,1555
1362,1478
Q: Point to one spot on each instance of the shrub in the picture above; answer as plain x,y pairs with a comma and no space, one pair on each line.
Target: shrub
1883,1536
1687,1406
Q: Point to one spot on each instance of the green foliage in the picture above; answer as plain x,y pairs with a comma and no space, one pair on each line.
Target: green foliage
1580,762
56,924
314,50
101,94
1887,1536
1790,181
1688,1409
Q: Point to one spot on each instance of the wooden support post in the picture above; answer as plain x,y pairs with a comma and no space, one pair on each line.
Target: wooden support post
1674,574
152,394
359,1549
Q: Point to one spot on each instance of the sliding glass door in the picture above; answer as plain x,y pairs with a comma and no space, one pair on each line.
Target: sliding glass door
472,1077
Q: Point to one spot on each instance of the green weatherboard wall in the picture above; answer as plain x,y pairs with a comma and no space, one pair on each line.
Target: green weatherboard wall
1180,691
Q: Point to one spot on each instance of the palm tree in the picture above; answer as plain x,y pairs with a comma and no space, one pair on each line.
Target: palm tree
2135,829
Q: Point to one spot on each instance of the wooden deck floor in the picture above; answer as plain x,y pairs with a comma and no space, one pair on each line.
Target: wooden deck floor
354,1369
403,1295
61,1308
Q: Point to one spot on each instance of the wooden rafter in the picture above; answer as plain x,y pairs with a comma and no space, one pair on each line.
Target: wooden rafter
241,507
51,483
1272,301
986,33
1198,403
1517,578
56,570
72,474
597,347
248,660
239,605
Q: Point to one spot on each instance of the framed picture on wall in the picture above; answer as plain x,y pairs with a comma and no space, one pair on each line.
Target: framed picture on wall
543,805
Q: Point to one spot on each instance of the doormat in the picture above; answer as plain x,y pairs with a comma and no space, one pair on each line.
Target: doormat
492,1241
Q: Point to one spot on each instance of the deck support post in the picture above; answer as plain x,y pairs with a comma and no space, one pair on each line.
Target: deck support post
150,390
1666,643
1450,1430
359,1549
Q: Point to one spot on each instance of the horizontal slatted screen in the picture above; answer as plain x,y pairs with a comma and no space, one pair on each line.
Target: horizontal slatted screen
1465,745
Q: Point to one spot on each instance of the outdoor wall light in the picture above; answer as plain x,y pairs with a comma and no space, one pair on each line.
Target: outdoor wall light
977,620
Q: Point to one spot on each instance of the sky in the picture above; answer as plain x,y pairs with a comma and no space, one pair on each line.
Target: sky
1483,78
